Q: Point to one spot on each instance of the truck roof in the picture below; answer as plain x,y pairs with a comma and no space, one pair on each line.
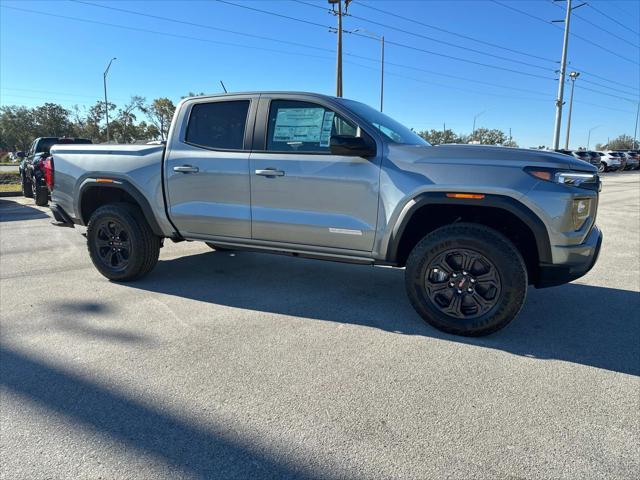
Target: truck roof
266,92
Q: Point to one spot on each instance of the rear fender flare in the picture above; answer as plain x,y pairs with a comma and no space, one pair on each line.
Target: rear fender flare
124,185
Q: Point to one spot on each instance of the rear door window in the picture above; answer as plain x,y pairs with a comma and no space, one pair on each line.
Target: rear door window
218,125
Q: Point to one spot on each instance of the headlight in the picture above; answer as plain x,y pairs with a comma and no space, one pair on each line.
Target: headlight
580,212
590,181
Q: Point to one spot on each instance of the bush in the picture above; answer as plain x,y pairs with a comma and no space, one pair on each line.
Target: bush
9,178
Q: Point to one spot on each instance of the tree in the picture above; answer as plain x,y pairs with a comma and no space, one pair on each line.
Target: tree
52,120
489,137
439,137
160,112
17,127
623,142
124,127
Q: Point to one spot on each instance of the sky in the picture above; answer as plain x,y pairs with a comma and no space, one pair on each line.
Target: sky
446,62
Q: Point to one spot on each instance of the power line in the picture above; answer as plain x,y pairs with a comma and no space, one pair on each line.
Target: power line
470,38
609,94
273,13
600,28
510,7
451,57
606,86
155,32
299,44
292,53
480,52
613,19
466,37
200,25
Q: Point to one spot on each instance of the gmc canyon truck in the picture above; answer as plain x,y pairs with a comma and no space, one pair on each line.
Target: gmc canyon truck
329,178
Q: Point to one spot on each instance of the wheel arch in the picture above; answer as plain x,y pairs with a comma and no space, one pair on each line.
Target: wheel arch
95,193
431,210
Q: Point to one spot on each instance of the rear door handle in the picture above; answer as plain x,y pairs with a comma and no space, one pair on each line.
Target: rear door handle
186,169
270,172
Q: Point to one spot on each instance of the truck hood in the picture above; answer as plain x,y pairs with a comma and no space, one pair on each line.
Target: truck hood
487,154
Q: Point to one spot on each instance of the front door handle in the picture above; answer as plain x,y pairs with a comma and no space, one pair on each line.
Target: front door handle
186,169
270,172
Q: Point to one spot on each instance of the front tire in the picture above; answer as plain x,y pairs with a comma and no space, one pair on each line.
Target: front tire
121,243
602,168
466,279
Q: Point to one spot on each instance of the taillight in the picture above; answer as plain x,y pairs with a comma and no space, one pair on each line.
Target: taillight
48,172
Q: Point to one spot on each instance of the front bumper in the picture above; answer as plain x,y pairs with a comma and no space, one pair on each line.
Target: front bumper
583,258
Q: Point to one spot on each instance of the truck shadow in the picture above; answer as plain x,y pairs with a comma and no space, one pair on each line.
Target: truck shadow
593,326
11,211
201,452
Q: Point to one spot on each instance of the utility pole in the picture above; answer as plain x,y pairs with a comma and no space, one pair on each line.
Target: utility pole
563,69
382,75
635,130
106,103
572,76
339,14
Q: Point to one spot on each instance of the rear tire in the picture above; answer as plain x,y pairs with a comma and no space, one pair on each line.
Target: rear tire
27,190
121,243
41,196
466,279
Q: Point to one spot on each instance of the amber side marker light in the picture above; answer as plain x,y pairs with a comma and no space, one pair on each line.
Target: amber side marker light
465,195
104,180
541,174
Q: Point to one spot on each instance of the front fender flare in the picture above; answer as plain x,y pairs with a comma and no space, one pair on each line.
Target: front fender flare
524,213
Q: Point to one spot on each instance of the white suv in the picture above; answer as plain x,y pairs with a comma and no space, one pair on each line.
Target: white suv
611,161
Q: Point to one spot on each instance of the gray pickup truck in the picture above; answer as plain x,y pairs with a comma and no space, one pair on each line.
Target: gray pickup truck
329,178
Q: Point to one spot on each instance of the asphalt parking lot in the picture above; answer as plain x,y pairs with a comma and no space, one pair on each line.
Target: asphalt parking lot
245,365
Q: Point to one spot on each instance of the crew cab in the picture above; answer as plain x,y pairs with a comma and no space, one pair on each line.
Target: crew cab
328,178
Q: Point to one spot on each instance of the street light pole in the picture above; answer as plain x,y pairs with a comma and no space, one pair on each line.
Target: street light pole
106,103
473,131
572,76
381,39
589,136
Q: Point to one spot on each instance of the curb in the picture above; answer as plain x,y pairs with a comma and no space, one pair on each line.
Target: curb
10,194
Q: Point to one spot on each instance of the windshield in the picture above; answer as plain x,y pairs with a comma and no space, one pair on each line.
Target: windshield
393,131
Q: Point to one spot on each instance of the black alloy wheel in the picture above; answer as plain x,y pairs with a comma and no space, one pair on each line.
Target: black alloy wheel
114,245
463,283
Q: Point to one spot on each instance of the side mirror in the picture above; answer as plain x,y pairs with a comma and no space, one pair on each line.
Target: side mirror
351,146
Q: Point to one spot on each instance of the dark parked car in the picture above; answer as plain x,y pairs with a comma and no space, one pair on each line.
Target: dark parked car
586,156
33,168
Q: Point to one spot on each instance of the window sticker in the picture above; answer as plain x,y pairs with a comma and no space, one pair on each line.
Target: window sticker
327,125
296,125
